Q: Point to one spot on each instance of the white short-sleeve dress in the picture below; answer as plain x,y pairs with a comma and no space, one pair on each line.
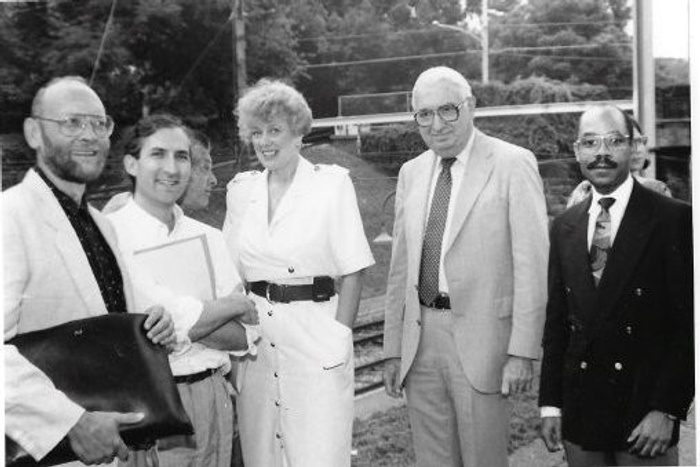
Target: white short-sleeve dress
296,399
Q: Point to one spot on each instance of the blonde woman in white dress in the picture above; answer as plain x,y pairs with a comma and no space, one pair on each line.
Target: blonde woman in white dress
297,238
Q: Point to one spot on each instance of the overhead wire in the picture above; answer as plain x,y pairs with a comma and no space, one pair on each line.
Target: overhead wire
506,50
200,57
103,40
436,29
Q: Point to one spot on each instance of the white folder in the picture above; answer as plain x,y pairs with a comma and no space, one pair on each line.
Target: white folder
184,266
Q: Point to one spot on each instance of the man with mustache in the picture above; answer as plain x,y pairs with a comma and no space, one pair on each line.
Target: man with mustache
637,166
617,371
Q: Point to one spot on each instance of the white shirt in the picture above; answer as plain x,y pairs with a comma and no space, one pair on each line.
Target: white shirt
457,172
617,211
136,230
622,197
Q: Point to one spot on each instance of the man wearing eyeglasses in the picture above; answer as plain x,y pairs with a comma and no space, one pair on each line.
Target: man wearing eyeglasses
467,286
637,166
617,371
60,266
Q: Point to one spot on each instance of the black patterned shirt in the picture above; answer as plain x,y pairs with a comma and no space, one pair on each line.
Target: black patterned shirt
100,256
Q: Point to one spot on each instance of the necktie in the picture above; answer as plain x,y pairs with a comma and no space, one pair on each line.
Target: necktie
601,239
428,288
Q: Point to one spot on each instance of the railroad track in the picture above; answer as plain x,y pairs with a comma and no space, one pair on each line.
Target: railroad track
368,338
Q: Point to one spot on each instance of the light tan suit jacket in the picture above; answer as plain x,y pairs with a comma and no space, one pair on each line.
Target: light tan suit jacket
47,281
495,260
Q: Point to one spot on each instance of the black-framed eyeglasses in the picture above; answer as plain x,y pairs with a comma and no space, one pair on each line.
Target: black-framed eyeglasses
590,144
74,125
447,112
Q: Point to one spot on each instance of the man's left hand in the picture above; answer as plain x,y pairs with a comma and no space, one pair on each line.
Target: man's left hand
159,326
517,376
652,435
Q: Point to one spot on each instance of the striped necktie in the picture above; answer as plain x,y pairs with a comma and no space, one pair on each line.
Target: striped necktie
601,240
429,283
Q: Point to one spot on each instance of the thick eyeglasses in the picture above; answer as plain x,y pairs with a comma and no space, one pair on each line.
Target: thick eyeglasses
74,125
447,112
591,144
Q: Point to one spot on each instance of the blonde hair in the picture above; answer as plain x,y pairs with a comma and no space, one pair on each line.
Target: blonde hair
269,99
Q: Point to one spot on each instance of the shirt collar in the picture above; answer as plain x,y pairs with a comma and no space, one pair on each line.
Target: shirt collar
144,217
67,203
463,156
621,194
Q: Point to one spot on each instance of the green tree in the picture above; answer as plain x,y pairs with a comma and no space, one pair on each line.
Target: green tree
573,40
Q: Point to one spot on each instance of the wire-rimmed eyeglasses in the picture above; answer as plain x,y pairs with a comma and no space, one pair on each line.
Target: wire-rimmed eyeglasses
73,125
590,144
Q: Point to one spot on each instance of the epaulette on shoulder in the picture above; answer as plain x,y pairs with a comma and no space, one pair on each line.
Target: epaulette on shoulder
243,176
330,169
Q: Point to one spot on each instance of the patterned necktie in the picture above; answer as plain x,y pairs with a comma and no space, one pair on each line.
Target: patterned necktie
428,288
601,239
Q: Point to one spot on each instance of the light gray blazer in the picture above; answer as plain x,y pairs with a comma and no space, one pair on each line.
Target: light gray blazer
495,260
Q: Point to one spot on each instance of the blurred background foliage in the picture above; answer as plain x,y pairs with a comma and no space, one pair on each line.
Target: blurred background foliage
178,55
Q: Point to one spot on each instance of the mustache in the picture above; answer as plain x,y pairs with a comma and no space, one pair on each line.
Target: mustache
602,162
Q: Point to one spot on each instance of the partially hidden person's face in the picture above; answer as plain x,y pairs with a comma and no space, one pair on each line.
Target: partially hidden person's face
445,138
640,154
275,143
603,149
79,158
162,168
202,180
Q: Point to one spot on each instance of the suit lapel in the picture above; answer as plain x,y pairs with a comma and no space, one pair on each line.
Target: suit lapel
476,174
630,241
416,205
575,259
68,245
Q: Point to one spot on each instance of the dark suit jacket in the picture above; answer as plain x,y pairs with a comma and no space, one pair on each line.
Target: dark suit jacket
613,353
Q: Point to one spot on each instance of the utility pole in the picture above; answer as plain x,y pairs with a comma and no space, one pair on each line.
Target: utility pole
239,65
484,41
644,86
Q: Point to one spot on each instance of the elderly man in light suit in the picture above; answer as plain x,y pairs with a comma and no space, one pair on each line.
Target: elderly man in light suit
467,291
60,265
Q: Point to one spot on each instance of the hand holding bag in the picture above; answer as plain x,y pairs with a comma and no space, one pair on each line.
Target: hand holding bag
105,363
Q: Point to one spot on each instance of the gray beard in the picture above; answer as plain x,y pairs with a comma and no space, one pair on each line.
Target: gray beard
61,165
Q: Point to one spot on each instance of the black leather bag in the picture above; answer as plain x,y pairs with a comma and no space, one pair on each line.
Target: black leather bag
105,363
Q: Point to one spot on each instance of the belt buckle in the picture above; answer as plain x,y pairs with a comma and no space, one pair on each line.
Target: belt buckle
281,293
441,301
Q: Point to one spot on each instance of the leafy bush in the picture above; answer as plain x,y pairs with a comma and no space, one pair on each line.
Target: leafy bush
535,90
549,136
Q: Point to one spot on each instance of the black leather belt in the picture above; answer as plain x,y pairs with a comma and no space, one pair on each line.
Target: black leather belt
441,302
321,290
194,378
